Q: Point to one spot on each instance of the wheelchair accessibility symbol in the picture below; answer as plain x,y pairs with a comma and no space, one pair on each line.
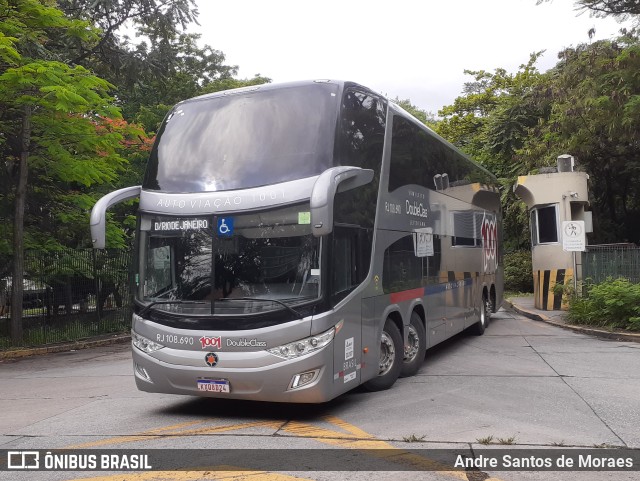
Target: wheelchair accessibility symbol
225,226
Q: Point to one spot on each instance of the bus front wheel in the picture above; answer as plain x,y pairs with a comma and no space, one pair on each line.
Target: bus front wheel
391,354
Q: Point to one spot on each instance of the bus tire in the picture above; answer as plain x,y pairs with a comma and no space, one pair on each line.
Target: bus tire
485,310
488,303
391,354
416,347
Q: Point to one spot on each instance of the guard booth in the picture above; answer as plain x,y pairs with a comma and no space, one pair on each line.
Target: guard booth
556,200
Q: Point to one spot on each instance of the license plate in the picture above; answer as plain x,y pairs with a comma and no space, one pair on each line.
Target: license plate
213,385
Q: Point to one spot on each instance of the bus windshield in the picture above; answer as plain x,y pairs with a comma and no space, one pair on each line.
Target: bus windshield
265,261
245,140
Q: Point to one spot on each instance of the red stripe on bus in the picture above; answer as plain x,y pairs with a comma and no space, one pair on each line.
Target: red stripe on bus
407,295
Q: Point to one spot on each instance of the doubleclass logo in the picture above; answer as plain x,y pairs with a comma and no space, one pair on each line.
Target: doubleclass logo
245,343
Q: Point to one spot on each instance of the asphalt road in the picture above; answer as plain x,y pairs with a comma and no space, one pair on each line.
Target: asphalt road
524,384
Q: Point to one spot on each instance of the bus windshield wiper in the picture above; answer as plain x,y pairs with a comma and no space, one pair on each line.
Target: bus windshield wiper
146,308
262,299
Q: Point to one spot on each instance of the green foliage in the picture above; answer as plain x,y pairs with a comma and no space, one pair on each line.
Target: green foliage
7,52
221,84
151,115
491,122
614,303
166,71
422,115
518,274
620,9
159,19
594,117
164,66
588,105
69,149
76,73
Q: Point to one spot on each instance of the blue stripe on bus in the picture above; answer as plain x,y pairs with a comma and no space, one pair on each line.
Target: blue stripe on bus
432,289
447,286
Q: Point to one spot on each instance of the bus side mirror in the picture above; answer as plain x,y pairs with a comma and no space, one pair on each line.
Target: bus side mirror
330,182
98,219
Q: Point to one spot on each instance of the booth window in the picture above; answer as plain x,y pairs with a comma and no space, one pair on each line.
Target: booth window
544,224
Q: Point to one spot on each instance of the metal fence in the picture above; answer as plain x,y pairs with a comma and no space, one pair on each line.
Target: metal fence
68,295
600,262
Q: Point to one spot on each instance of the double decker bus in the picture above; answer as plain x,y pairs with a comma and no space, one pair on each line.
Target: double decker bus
297,240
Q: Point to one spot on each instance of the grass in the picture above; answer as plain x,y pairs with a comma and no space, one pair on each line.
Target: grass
414,439
510,294
509,440
485,440
490,440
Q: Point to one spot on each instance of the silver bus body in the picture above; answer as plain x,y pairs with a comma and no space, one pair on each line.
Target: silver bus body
331,254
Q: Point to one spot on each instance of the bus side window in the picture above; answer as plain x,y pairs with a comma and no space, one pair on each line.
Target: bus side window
350,259
402,270
416,156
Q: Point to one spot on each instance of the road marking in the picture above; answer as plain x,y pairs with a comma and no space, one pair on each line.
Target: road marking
371,444
217,473
175,431
347,426
354,438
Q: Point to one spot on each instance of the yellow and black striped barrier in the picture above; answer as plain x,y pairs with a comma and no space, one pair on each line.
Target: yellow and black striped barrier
547,296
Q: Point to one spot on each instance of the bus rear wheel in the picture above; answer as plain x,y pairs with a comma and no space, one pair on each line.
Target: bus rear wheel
485,313
416,347
391,354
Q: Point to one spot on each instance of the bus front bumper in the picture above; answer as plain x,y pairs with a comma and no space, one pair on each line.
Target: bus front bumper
271,380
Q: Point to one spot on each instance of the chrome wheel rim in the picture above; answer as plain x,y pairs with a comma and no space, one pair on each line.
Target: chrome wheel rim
413,345
387,354
483,312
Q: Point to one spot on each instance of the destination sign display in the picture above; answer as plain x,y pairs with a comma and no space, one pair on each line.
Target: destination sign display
172,225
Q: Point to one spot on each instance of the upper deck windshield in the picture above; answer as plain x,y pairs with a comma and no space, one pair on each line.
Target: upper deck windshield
188,267
245,140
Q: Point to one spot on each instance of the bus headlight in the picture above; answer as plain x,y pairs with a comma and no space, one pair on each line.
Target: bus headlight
144,344
303,346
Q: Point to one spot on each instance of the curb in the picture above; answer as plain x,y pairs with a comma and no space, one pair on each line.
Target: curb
70,346
536,316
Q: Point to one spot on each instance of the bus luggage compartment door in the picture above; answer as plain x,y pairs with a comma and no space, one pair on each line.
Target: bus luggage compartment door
371,330
347,353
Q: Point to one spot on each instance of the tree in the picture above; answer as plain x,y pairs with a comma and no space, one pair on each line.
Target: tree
588,105
621,9
228,83
184,70
166,66
170,70
423,116
51,119
595,115
491,122
148,81
161,18
612,7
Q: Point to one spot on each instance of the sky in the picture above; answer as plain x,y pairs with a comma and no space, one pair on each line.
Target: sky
410,49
